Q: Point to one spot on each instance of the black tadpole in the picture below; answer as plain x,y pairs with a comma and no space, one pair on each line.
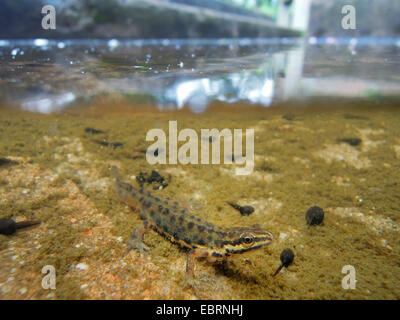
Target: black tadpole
244,211
287,257
314,216
93,130
9,226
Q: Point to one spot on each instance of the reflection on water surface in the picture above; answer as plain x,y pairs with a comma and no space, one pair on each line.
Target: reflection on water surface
47,75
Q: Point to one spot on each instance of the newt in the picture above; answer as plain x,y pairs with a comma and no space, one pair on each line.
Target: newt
200,238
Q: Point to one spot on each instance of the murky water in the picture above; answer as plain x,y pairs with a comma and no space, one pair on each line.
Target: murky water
326,120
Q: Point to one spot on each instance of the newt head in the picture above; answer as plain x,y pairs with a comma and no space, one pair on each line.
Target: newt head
243,239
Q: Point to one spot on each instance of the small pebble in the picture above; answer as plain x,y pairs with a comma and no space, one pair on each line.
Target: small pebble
82,266
50,295
384,242
283,236
22,290
314,216
5,289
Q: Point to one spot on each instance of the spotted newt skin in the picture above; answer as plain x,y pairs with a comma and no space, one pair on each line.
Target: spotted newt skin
180,226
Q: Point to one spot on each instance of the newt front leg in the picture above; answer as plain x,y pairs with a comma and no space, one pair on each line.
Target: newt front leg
136,239
189,276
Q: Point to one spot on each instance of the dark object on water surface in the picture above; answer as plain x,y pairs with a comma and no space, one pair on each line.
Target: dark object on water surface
9,226
351,141
6,162
287,257
109,144
93,130
314,216
244,211
154,177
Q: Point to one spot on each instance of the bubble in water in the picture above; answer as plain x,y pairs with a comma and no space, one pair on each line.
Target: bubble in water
330,40
14,52
41,42
352,46
180,64
113,43
61,45
148,57
312,40
353,41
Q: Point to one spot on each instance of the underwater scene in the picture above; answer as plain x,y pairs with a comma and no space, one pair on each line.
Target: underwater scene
237,166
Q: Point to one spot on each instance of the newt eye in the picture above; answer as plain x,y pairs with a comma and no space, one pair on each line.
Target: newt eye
247,238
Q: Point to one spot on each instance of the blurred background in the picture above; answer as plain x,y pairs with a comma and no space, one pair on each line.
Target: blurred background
197,18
